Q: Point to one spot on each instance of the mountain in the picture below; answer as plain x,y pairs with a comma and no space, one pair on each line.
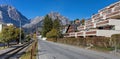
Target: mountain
8,14
37,22
55,15
34,23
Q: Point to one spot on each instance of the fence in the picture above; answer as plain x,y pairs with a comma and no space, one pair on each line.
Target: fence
33,50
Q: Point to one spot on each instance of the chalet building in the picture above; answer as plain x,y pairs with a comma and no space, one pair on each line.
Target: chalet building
71,28
105,23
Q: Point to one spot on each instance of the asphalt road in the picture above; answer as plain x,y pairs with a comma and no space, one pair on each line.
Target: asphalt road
50,50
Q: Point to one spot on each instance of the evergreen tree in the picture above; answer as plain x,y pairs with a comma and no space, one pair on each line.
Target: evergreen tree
47,25
57,26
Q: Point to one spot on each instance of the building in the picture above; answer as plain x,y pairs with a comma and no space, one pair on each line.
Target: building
2,25
105,23
9,24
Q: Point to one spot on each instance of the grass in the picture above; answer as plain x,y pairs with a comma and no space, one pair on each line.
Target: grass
27,55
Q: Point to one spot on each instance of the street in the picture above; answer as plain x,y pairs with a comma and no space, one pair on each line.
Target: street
50,50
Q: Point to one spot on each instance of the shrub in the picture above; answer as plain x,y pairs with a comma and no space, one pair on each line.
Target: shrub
52,34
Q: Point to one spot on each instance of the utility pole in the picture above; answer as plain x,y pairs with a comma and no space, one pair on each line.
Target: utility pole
20,33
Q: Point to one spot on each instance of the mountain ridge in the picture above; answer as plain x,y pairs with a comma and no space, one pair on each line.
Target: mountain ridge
9,14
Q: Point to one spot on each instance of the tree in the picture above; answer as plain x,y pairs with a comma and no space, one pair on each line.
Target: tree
28,38
17,34
2,40
7,34
47,25
55,32
10,33
52,34
82,21
57,26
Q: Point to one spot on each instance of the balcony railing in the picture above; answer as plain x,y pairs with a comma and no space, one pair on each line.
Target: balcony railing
80,33
102,23
113,13
101,17
66,35
91,33
72,34
90,25
80,28
96,15
108,12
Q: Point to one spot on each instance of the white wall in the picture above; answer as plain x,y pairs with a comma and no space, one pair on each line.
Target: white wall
114,22
107,33
1,27
117,27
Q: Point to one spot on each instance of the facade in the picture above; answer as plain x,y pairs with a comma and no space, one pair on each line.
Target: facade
105,23
71,28
9,24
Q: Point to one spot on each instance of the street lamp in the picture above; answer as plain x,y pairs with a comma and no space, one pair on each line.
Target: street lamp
20,33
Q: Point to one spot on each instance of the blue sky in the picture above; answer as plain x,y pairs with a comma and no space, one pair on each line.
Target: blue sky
72,9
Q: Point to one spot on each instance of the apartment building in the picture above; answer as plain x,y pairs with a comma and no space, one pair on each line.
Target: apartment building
105,23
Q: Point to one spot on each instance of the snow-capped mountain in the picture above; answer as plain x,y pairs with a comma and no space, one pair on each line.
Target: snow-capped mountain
8,14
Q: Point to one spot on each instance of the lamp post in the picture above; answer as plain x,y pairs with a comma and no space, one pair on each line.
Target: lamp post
20,33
